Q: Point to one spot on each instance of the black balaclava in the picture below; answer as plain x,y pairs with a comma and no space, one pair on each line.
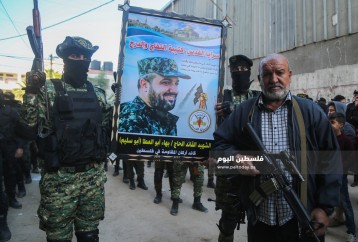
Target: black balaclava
241,82
240,79
75,72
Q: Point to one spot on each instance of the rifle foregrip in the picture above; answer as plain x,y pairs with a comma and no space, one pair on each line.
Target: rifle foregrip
36,22
33,43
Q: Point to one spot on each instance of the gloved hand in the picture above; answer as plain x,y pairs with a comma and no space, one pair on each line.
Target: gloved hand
223,109
226,108
113,87
34,81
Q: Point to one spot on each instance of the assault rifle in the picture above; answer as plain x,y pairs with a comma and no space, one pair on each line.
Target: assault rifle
35,39
269,166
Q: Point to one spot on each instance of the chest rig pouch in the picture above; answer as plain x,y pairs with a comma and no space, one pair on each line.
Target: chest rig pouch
78,123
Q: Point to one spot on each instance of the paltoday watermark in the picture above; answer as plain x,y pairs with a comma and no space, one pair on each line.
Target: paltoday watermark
317,161
232,164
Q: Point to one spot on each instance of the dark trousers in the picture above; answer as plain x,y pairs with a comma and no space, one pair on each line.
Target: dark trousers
158,175
33,154
3,197
10,167
139,169
261,232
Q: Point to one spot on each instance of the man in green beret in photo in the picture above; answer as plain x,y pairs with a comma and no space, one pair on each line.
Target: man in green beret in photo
149,112
157,86
67,115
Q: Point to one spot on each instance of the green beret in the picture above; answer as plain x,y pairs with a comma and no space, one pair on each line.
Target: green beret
74,44
162,66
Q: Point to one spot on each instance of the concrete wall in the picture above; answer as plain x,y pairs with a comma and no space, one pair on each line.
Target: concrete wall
323,69
319,38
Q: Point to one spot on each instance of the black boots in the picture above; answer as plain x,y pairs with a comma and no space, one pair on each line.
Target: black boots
116,171
117,168
90,236
158,198
5,233
197,205
28,178
225,238
13,202
211,183
175,207
141,184
131,184
179,200
125,179
22,191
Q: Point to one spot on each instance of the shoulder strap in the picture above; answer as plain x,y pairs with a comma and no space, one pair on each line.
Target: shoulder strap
58,85
301,126
89,86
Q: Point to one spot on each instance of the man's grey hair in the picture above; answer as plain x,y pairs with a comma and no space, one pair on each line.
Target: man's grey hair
269,57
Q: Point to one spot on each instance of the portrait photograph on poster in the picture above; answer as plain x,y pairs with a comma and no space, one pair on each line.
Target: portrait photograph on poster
169,85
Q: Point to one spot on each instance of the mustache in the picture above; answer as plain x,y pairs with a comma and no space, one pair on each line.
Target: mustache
170,94
275,85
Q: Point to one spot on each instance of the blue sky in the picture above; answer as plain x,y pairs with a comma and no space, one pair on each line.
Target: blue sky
101,26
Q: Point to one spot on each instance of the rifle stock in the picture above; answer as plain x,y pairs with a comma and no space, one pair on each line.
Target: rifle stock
269,166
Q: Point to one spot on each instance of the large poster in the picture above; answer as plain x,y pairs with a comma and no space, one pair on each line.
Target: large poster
169,85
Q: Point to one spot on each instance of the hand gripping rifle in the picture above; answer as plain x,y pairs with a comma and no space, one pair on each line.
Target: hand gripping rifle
269,166
35,38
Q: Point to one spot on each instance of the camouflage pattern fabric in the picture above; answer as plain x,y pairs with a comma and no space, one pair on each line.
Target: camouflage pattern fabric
68,198
107,110
61,191
162,66
179,172
240,98
137,117
76,43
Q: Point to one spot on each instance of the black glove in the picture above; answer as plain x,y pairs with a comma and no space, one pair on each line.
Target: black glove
34,81
226,108
113,87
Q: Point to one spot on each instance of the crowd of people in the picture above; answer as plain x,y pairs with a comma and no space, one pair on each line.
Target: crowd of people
18,158
67,126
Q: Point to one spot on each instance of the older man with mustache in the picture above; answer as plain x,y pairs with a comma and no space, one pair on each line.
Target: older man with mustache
275,116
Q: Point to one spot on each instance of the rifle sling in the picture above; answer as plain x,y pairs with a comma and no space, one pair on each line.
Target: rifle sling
301,126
